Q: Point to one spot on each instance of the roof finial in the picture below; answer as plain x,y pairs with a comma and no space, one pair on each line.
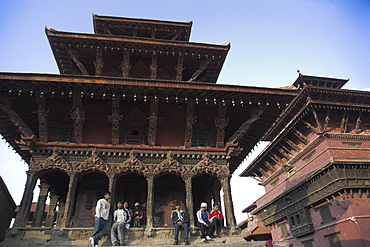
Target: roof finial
299,72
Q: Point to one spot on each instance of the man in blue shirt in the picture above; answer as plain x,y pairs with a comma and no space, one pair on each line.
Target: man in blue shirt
206,227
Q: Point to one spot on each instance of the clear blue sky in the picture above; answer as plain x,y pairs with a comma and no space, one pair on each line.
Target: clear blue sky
270,40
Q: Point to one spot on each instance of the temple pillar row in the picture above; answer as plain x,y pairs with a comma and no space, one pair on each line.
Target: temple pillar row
229,208
113,178
40,208
70,200
25,206
189,198
150,201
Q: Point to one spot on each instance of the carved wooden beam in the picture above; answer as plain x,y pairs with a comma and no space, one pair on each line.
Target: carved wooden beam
221,122
269,166
273,158
256,177
125,64
134,31
42,117
98,63
255,115
153,66
300,136
115,119
15,118
293,145
308,125
358,122
190,120
203,65
74,55
327,119
152,133
179,67
152,34
317,119
344,122
78,116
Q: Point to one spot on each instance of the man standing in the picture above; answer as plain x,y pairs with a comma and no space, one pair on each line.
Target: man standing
180,219
121,218
216,218
206,227
101,217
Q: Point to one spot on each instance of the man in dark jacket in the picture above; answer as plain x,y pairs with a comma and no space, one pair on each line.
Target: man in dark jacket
179,219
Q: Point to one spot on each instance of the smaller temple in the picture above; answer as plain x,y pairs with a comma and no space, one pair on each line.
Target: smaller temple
316,168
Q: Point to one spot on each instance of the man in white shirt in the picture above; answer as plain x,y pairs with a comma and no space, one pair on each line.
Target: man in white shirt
101,218
121,218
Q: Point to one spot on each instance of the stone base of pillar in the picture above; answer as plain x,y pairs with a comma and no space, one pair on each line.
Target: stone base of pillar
160,236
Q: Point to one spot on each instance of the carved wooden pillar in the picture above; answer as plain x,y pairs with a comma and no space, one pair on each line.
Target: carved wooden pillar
60,215
24,207
42,117
228,201
115,118
113,178
125,64
78,116
153,66
179,67
74,55
98,63
152,133
51,212
70,200
221,122
40,208
189,122
189,198
150,200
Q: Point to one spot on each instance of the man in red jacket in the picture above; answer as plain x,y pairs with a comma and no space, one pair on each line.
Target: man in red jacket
216,218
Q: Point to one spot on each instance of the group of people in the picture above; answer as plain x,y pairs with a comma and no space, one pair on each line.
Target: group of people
122,217
208,222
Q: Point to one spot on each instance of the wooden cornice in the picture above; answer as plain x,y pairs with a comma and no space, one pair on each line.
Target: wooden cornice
53,81
117,41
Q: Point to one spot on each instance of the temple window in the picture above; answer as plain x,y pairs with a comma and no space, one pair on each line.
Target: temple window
325,214
135,127
333,239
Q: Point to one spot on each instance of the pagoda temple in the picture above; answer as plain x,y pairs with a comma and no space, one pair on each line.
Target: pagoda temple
316,168
136,111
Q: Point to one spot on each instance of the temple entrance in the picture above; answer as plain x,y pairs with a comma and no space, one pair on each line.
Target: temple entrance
169,188
132,188
91,187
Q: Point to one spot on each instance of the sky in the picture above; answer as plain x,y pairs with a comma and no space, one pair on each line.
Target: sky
269,40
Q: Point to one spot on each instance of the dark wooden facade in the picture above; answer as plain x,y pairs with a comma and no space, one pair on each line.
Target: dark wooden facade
136,110
316,169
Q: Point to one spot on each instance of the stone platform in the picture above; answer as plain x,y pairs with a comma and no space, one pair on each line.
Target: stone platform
161,236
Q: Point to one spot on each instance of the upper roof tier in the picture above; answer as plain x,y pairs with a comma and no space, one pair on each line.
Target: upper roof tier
143,28
137,56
